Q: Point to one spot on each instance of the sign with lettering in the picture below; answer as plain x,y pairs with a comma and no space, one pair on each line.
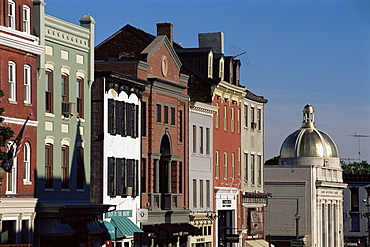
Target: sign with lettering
118,213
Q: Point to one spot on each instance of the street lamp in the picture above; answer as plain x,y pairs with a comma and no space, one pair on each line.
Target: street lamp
297,216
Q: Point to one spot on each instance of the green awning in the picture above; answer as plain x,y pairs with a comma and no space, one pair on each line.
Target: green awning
125,227
111,230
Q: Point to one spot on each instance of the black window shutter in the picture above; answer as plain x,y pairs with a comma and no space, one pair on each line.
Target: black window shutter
124,128
129,173
119,117
111,177
120,176
111,116
129,119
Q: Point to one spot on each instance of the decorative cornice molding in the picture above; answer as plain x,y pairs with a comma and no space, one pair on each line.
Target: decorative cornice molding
19,40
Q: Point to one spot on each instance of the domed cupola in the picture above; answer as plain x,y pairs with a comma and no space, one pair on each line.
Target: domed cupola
308,141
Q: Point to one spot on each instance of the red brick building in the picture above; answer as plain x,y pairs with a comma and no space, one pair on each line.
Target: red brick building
19,49
164,126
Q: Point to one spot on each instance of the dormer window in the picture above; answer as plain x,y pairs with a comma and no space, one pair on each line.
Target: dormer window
210,64
11,14
221,73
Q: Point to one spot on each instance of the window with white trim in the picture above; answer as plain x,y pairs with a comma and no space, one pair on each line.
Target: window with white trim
11,14
221,73
12,80
27,84
11,177
210,64
26,19
27,163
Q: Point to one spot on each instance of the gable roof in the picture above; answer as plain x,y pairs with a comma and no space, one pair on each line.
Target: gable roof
156,44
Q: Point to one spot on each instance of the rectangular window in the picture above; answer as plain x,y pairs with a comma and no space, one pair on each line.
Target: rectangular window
210,65
239,162
173,117
201,194
208,141
217,116
27,84
259,119
208,193
201,147
259,170
119,118
354,199
246,167
65,168
225,166
225,117
239,119
11,177
143,118
12,81
80,168
217,165
165,114
232,119
253,175
233,165
26,19
48,166
65,88
49,91
253,123
27,162
11,14
119,177
159,113
80,97
245,116
195,193
194,138
181,131
355,222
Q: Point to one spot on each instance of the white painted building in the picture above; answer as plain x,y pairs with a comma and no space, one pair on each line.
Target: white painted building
307,189
117,151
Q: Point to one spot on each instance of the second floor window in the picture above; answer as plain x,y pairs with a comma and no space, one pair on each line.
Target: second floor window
27,162
27,84
201,140
49,91
159,113
12,81
11,14
165,113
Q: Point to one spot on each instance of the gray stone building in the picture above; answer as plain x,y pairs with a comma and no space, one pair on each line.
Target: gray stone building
307,189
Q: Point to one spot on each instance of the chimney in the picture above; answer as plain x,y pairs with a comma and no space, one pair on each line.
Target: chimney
165,29
213,40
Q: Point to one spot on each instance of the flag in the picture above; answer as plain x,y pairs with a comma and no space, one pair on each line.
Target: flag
7,163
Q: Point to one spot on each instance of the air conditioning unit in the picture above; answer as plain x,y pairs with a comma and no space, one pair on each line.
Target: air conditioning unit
68,109
253,125
127,191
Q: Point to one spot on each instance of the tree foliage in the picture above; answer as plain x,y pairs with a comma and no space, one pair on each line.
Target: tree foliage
273,161
356,168
5,132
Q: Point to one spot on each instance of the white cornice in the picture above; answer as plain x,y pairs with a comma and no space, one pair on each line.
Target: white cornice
12,120
229,91
202,108
19,40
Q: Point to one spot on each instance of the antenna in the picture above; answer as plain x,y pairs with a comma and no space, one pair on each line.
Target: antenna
359,145
239,53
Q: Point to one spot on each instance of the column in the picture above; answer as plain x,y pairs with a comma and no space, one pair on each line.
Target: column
156,176
318,225
325,235
168,176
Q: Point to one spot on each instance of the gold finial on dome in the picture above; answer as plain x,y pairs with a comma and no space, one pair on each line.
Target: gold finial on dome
308,117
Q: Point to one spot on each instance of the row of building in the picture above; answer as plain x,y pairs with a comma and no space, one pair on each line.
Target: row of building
142,142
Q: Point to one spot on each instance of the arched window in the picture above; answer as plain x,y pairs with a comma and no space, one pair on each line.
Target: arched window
80,97
27,163
48,165
65,167
11,14
26,19
11,177
49,91
65,87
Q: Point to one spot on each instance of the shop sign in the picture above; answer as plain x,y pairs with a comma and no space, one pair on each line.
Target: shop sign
118,213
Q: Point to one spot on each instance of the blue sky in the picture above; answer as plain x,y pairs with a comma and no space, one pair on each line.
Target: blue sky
298,52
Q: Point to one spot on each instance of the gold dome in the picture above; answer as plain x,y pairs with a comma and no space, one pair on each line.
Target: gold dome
308,141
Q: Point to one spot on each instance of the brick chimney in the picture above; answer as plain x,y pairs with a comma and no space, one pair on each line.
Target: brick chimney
165,29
